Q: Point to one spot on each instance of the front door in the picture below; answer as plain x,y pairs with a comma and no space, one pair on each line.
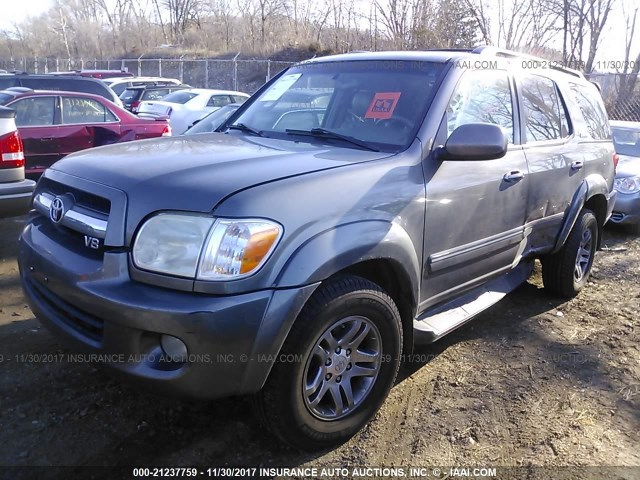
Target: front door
474,227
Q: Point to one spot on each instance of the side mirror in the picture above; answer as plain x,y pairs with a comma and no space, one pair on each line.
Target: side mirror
475,141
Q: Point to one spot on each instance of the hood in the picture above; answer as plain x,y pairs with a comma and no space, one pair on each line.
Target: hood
195,173
628,166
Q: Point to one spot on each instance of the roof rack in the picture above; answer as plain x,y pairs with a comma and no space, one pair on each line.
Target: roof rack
510,54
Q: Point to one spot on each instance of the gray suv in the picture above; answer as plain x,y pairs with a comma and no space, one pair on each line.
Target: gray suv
356,205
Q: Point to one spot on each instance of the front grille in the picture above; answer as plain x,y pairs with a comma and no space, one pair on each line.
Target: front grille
82,322
83,199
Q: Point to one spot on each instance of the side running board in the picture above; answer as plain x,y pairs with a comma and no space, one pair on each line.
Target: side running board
442,319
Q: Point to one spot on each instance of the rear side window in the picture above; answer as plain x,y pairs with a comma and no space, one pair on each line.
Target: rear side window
129,95
239,99
482,97
179,97
545,114
73,85
35,111
219,101
595,117
84,110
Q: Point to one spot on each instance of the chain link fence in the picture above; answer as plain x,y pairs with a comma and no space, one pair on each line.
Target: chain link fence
244,75
248,75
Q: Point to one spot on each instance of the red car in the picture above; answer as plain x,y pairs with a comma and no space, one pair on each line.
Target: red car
53,124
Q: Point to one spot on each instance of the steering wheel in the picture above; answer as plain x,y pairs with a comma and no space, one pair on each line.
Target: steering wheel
404,122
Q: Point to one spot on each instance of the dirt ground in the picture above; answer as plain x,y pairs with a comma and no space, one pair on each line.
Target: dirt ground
533,381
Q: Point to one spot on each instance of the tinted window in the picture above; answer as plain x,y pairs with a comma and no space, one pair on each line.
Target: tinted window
119,88
238,99
545,114
84,110
73,85
626,141
179,97
5,97
34,111
593,112
129,95
7,81
219,101
482,97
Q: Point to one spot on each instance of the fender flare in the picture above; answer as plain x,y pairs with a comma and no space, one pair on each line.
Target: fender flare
345,245
591,186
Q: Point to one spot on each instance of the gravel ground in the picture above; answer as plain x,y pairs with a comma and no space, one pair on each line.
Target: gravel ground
533,381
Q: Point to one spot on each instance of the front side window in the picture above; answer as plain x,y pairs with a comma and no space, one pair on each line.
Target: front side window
35,111
482,97
84,110
545,114
593,112
377,104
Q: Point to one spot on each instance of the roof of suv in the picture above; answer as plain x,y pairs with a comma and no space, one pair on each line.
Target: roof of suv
37,93
447,55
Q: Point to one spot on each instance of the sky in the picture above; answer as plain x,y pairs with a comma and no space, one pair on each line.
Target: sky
16,10
611,48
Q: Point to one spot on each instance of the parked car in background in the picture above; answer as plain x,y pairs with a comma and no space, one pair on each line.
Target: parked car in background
67,83
101,74
626,138
186,106
319,244
118,84
213,121
131,97
54,124
15,190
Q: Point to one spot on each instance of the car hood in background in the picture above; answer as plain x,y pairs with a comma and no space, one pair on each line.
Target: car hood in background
195,173
628,166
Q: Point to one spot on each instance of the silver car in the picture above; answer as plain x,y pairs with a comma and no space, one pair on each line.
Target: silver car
626,139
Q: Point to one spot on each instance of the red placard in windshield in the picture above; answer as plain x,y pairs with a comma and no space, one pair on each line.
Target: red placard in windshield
383,105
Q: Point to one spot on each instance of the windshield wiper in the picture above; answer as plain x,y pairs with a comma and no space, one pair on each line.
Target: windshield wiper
244,128
324,133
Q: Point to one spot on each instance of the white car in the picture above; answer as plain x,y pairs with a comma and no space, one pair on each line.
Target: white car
185,107
119,84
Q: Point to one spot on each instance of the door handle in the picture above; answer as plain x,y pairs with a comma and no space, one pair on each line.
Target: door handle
577,165
513,176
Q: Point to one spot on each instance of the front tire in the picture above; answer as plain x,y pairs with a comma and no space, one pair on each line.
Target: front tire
346,344
567,271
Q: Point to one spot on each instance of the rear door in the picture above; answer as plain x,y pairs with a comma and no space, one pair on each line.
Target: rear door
556,157
86,123
475,209
36,121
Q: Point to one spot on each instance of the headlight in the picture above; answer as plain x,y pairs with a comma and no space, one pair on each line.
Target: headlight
627,185
202,247
236,248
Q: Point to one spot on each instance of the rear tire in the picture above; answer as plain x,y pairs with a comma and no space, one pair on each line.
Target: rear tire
346,343
567,271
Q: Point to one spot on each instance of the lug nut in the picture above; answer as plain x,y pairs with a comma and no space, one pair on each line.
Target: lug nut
338,350
327,376
349,367
328,362
338,378
348,351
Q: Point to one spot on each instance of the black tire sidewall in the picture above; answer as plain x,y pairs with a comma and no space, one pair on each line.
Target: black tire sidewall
384,316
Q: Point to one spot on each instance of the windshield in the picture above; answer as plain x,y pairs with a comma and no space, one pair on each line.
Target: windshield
212,121
378,103
626,141
179,97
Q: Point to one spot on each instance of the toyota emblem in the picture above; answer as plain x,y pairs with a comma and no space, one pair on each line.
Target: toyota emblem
56,210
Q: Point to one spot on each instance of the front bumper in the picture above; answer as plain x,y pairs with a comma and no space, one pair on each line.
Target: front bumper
15,197
627,209
93,306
